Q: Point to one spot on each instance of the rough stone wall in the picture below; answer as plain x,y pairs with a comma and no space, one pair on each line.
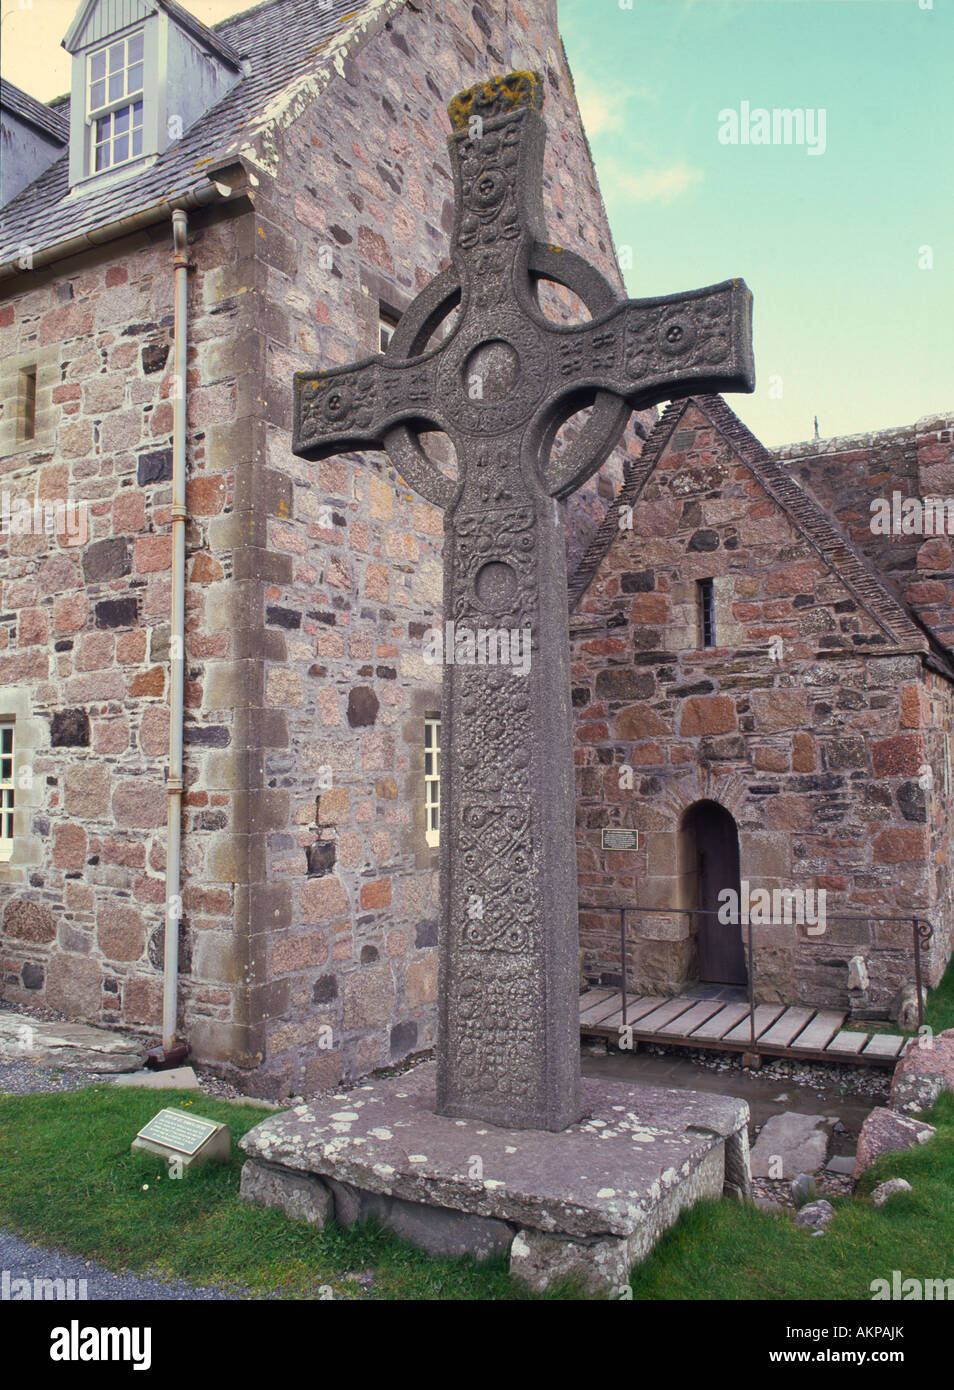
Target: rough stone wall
819,756
84,644
846,474
308,889
360,215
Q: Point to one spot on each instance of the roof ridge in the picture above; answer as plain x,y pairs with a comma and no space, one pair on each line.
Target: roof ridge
31,109
238,129
872,593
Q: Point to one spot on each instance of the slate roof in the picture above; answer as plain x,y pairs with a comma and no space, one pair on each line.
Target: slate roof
870,591
289,44
217,42
29,109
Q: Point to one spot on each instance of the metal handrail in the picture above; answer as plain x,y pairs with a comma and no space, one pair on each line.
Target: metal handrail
922,929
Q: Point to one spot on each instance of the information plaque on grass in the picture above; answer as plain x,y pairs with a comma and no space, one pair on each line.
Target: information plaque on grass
620,839
190,1139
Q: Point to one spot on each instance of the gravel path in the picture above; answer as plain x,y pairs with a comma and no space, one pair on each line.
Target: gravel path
20,1260
23,1078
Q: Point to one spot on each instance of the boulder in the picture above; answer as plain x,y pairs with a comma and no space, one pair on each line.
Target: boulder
907,1010
858,973
885,1131
886,1190
790,1144
925,1070
816,1215
804,1190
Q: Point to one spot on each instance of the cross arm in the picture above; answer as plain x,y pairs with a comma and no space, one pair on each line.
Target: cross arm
638,353
354,407
648,350
367,406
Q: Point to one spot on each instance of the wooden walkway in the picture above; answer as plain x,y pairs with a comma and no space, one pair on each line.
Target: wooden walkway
816,1035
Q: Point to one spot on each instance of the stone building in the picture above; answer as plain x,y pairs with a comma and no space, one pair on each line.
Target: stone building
287,170
290,166
763,687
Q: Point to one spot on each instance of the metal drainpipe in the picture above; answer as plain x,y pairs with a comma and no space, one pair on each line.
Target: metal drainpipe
170,992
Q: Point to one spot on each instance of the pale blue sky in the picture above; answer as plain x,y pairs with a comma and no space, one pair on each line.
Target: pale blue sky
829,244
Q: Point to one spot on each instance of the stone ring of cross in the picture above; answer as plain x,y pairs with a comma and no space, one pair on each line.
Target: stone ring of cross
510,362
505,378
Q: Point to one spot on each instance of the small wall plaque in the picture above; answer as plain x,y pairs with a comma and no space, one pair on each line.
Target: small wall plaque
190,1139
621,839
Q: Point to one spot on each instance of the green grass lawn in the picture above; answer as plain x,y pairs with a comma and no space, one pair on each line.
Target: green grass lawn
720,1251
68,1179
939,1013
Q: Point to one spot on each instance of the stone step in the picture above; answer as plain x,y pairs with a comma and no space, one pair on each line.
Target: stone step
75,1046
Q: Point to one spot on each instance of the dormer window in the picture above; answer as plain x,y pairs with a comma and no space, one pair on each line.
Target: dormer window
144,71
115,102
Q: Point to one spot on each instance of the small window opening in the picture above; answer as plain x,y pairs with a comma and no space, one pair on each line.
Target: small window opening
27,412
7,789
707,621
387,322
432,780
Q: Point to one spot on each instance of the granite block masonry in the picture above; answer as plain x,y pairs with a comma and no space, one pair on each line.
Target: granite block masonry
586,1204
308,948
500,386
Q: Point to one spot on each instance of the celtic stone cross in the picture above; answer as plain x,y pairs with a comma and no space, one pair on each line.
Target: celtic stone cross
500,385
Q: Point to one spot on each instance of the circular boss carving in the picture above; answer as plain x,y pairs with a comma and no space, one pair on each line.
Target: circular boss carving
490,381
487,191
495,587
676,335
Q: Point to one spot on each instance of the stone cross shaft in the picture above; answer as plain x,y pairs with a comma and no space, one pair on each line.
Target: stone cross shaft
500,385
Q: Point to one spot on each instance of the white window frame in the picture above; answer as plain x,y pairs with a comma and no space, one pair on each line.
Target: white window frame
432,779
387,323
8,787
110,108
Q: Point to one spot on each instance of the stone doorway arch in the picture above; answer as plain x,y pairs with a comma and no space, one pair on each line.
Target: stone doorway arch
709,854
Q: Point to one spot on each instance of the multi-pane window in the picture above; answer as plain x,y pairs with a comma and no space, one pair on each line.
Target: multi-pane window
432,780
7,789
707,621
114,101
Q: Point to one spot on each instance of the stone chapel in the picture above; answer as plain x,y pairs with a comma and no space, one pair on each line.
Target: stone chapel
757,677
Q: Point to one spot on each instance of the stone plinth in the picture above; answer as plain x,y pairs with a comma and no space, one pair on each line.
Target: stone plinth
588,1203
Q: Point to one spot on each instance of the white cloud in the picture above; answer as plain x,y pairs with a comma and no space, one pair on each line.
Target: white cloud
603,104
648,185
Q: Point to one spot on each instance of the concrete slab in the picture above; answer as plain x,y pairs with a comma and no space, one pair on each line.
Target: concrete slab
589,1201
843,1165
75,1046
790,1144
175,1079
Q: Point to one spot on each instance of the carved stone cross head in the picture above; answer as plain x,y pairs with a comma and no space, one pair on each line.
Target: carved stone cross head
500,385
507,373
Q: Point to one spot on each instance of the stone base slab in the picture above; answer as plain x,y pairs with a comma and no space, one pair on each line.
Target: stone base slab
74,1046
586,1203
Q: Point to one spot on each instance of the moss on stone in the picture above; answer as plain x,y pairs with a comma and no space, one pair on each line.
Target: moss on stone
496,97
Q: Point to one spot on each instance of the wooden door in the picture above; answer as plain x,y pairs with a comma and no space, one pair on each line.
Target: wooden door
721,949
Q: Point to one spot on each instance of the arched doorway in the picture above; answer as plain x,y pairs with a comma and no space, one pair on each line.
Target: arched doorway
712,859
